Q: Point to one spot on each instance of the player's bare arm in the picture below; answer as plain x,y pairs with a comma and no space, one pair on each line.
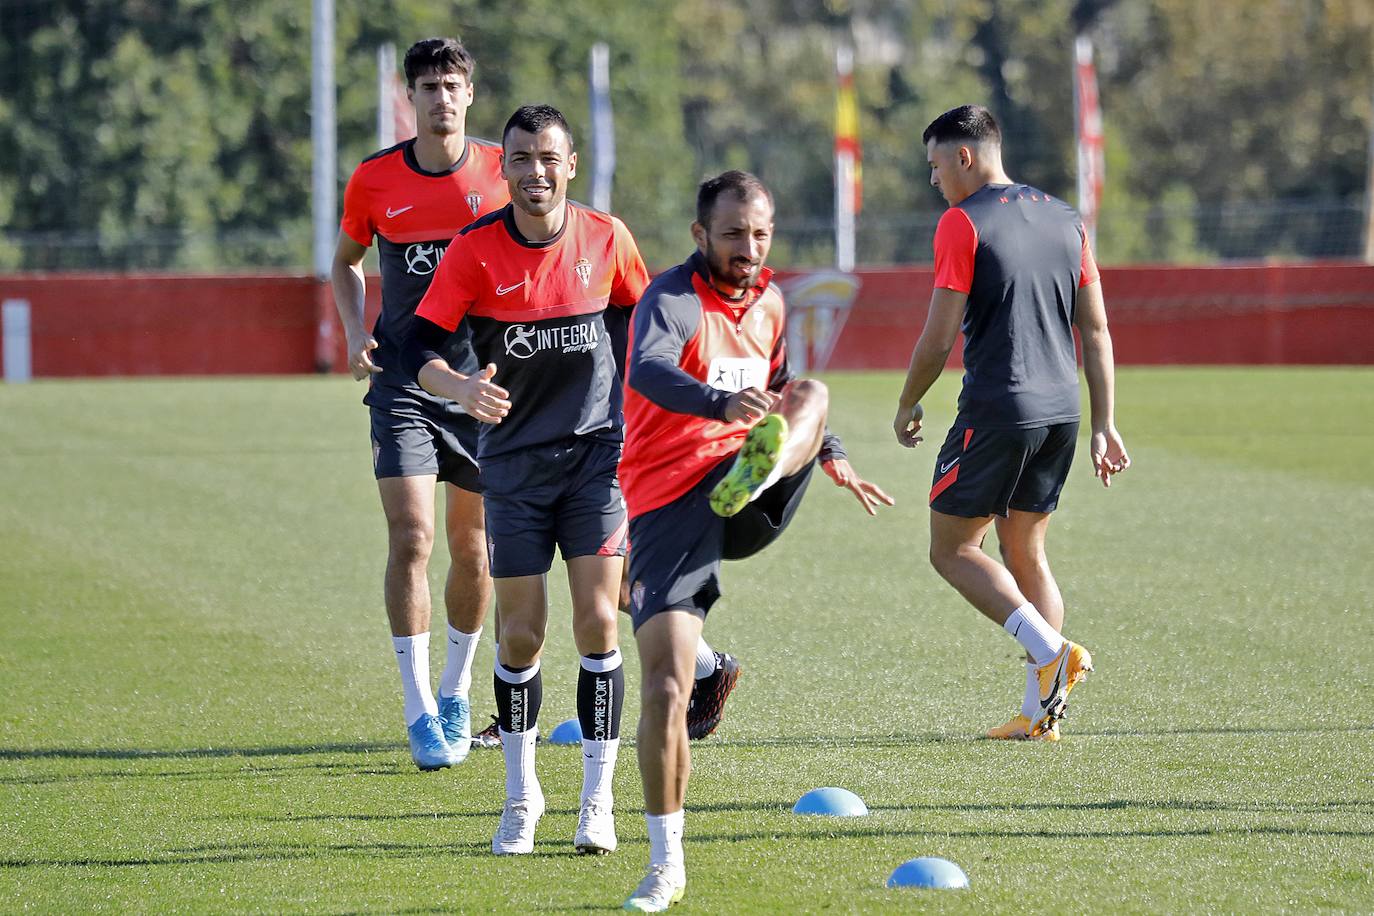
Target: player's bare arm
927,361
869,495
346,278
1099,368
480,397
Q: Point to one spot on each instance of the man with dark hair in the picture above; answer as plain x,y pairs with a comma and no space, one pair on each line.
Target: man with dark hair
1014,271
414,197
720,443
544,283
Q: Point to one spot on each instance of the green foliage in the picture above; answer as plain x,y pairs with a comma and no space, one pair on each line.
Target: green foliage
176,133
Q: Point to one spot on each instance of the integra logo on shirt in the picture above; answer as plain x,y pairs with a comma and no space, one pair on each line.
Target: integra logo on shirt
423,257
525,340
728,373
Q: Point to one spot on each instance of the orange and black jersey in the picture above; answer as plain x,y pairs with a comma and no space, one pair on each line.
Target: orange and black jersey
414,214
537,310
690,349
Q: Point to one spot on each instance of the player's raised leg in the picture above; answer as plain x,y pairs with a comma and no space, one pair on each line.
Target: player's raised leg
467,593
594,582
519,695
667,649
408,503
778,446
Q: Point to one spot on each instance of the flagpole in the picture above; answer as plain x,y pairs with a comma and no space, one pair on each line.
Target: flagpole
844,167
386,95
603,128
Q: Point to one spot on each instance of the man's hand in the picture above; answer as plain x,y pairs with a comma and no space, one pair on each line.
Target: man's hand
751,405
869,495
481,399
1108,455
908,423
360,357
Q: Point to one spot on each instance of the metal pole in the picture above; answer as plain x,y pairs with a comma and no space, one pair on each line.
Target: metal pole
325,168
17,329
844,180
603,128
386,97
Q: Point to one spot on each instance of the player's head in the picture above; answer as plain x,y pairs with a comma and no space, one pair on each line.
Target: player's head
734,229
439,85
964,147
537,158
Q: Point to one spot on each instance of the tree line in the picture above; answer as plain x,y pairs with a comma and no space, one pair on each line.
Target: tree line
176,133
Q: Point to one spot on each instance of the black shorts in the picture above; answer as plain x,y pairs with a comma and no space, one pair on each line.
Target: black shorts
411,437
676,549
565,494
983,472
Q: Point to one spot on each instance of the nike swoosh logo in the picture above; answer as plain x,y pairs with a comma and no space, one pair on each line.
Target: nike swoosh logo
502,290
392,214
1058,676
944,468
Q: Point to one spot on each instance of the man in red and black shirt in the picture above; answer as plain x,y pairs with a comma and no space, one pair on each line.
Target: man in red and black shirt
1014,271
413,198
707,384
546,286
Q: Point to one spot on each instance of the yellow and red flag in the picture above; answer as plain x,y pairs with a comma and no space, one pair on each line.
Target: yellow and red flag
848,151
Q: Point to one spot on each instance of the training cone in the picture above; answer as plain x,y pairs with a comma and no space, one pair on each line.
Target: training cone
929,871
568,731
831,802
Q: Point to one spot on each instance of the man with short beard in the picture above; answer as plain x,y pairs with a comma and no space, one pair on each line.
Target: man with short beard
414,197
546,285
720,443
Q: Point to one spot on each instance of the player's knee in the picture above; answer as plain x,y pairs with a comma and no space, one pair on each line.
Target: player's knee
520,642
664,696
410,542
595,629
808,394
469,557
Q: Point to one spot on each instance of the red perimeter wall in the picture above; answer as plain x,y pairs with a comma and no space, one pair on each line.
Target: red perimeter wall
85,324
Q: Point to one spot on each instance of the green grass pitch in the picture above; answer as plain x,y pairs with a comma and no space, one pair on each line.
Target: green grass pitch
199,710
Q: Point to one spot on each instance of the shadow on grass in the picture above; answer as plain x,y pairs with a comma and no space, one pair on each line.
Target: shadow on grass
135,753
262,852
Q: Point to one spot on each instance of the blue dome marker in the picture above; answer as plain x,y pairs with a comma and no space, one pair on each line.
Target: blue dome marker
831,802
568,731
929,871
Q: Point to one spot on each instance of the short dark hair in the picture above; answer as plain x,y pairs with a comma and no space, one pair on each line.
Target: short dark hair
741,184
534,118
437,55
971,123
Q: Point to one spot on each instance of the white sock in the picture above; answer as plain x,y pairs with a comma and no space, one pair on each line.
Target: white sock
706,659
457,677
665,839
1036,636
598,769
518,747
412,656
1030,703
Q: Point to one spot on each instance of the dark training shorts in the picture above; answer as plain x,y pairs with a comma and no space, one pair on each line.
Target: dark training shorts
675,550
982,472
411,437
565,494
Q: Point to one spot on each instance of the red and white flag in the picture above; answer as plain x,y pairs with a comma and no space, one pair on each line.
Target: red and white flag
1088,129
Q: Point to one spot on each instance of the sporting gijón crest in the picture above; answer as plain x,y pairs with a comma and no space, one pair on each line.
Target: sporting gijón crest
474,202
583,269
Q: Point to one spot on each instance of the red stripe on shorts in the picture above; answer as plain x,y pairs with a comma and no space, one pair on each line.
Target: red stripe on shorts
616,540
943,483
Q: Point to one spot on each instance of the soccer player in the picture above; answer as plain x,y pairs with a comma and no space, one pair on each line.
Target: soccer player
545,284
720,443
1014,270
414,197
